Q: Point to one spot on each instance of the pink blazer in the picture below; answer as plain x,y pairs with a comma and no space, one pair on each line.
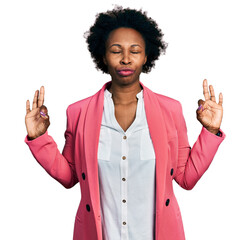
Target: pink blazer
174,160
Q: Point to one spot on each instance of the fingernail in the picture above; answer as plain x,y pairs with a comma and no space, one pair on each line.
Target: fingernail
200,107
43,114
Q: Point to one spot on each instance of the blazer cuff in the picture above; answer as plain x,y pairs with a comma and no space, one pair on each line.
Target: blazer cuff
214,136
39,140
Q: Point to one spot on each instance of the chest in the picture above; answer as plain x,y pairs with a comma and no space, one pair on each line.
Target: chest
124,129
125,114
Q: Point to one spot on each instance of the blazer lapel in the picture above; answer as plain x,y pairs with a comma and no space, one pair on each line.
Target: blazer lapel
158,133
91,134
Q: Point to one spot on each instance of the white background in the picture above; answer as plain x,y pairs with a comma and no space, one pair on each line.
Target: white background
42,44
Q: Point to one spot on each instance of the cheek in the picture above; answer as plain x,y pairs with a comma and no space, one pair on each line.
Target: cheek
112,62
142,60
111,67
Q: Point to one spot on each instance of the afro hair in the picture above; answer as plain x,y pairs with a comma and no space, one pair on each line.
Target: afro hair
108,21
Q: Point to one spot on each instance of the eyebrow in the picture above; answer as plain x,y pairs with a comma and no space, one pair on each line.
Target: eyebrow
118,45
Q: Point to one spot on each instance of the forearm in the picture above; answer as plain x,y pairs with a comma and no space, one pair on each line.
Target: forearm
45,151
192,163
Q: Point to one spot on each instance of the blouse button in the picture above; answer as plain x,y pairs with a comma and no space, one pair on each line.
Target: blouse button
171,172
124,223
123,179
123,200
123,157
124,137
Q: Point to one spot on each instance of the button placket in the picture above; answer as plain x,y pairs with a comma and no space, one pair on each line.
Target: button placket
124,193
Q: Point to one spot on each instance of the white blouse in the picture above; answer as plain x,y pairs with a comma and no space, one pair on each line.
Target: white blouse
126,166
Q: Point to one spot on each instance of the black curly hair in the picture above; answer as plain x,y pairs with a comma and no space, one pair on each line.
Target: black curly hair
108,21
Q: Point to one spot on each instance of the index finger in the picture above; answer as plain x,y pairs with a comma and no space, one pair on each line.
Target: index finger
41,96
205,90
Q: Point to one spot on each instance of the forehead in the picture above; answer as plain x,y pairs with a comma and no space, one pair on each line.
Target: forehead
125,36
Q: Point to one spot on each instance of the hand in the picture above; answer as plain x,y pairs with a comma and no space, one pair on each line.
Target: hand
209,112
36,123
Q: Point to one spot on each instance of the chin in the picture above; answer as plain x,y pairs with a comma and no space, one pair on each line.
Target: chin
125,80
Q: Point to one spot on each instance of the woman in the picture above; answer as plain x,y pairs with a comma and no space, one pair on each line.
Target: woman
125,144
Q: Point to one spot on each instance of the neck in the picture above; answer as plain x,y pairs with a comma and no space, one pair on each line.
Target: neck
124,94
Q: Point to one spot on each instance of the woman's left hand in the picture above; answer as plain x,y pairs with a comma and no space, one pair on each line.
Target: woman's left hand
210,113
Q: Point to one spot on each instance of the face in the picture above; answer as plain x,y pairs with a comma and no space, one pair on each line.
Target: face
125,55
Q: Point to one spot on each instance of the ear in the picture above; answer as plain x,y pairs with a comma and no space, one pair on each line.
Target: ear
145,60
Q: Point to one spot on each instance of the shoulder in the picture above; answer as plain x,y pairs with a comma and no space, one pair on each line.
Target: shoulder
171,110
168,104
77,109
79,105
167,100
82,105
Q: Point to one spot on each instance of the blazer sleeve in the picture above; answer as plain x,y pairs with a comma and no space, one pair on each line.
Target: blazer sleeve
192,163
59,166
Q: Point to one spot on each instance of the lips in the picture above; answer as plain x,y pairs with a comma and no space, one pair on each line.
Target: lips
125,72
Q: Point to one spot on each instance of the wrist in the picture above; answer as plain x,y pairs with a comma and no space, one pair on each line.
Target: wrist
219,134
30,138
214,131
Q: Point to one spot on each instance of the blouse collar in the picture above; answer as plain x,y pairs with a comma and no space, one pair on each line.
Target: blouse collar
107,93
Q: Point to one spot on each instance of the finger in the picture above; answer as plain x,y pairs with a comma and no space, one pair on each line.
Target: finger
201,105
44,109
34,105
205,90
201,102
44,112
220,99
41,96
34,114
211,89
27,106
44,116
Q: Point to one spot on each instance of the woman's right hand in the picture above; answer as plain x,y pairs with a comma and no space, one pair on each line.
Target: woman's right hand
36,123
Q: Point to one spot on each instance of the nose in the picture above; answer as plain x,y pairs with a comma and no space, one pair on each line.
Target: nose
125,60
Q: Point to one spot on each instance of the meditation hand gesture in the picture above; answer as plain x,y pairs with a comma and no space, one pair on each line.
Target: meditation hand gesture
36,120
209,112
